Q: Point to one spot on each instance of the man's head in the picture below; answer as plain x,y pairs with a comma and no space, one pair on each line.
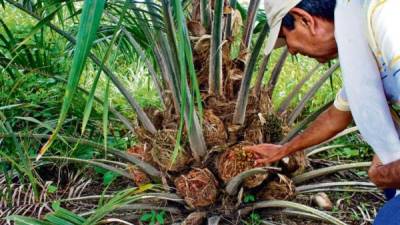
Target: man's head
308,27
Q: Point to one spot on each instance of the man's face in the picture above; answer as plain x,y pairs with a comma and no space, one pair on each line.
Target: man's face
312,37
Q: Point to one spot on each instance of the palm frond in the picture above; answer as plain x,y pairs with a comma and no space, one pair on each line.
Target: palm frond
215,76
276,72
149,169
205,13
340,134
317,187
260,75
241,104
299,108
286,102
228,32
89,103
328,170
214,220
297,206
152,71
233,185
303,124
181,64
90,21
250,21
124,91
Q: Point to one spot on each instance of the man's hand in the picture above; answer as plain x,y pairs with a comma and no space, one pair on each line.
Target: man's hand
385,176
327,125
373,171
267,153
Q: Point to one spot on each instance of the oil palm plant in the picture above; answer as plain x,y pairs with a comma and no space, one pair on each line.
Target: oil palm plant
210,109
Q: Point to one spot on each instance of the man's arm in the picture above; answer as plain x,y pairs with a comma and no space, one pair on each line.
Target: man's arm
327,125
385,176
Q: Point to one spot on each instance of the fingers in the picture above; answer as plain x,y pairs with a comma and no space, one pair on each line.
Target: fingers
376,160
267,160
263,153
256,146
256,150
250,148
262,149
261,162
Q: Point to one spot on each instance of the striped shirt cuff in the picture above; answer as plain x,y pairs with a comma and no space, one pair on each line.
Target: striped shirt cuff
340,103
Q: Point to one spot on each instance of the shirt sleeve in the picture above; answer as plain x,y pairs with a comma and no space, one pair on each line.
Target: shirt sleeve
384,36
341,103
384,25
362,81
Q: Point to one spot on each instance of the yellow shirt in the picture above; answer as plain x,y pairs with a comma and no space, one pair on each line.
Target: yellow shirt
368,39
383,35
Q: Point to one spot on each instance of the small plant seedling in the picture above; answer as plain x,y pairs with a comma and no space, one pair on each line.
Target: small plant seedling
253,219
153,217
249,198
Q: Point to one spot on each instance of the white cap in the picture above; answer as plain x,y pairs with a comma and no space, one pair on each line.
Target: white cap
275,11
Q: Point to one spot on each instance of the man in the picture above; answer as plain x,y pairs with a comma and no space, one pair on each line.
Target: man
365,35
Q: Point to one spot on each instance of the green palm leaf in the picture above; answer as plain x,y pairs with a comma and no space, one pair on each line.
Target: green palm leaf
90,21
105,114
89,104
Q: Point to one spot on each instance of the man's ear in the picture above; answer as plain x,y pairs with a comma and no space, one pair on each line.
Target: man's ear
305,19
